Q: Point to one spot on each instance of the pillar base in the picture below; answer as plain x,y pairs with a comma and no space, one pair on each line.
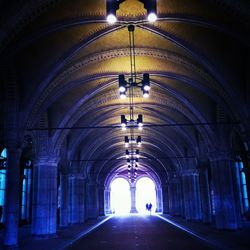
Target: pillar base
158,210
108,212
44,236
11,247
63,226
133,211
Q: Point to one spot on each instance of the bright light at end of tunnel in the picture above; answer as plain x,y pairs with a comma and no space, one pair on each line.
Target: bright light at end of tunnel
145,193
121,197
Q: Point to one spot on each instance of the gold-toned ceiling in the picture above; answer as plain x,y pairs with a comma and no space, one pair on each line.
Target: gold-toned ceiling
68,59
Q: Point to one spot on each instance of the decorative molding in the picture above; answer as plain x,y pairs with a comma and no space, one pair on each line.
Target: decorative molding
78,176
63,79
188,172
221,155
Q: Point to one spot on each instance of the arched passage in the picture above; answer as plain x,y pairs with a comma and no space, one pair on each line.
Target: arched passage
145,193
120,196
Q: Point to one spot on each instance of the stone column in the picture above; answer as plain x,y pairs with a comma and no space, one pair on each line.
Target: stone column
133,209
76,198
205,195
247,174
64,200
93,200
107,201
12,197
44,198
191,193
101,200
175,205
12,132
158,208
165,198
237,190
226,216
86,201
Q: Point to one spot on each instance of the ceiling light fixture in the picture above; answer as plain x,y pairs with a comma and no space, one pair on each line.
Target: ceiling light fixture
132,140
152,17
134,80
113,5
124,85
131,123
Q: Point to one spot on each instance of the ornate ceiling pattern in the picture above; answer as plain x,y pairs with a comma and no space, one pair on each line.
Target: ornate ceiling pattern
68,58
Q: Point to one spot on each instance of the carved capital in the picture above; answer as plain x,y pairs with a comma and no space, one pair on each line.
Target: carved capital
190,172
221,155
77,176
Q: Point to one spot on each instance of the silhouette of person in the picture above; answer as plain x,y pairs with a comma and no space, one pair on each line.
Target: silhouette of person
147,206
150,207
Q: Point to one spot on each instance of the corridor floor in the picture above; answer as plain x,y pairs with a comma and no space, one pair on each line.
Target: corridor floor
138,232
156,232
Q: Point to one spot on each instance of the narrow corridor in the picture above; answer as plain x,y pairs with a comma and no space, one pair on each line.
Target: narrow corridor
138,232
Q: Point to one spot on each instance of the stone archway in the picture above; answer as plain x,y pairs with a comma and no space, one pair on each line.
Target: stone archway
120,201
145,193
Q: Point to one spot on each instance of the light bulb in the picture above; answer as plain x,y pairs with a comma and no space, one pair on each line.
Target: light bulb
152,17
145,94
147,87
111,18
122,89
122,95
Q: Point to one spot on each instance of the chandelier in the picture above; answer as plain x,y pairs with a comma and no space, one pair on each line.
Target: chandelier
126,89
127,83
113,5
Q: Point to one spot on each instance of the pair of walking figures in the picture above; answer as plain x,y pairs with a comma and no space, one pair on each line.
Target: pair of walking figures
149,207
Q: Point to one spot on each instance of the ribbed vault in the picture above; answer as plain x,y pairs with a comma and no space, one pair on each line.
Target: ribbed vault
73,80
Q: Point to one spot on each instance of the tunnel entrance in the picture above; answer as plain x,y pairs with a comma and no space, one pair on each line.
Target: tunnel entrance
120,196
120,201
145,193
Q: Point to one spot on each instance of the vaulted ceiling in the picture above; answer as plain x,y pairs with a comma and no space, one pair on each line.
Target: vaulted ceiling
68,58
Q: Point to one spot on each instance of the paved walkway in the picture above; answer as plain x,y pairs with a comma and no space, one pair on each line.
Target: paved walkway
237,240
63,238
139,232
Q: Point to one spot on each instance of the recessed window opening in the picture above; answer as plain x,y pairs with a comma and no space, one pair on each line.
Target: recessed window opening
244,195
26,192
120,197
3,162
145,194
